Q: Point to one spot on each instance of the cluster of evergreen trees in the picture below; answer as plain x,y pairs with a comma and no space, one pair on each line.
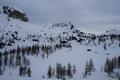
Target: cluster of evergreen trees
17,57
61,72
25,71
112,64
12,59
89,67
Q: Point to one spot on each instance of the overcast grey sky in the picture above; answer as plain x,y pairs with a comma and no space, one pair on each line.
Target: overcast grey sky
80,12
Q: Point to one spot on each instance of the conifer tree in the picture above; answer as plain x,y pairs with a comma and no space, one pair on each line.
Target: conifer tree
64,70
18,60
105,46
1,72
1,59
49,72
29,72
5,57
74,69
69,72
114,61
86,69
91,65
119,62
108,67
20,71
58,68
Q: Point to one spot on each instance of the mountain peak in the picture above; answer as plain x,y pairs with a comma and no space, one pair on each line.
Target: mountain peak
65,24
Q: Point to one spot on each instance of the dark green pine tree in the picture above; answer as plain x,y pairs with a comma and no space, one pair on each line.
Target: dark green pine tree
49,73
1,72
108,67
29,72
105,46
86,69
1,59
91,65
114,61
74,69
58,70
64,70
5,57
69,70
20,71
119,62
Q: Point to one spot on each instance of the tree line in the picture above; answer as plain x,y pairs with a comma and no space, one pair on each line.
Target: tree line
17,57
111,65
61,71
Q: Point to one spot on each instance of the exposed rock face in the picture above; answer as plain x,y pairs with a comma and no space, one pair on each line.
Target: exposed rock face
15,14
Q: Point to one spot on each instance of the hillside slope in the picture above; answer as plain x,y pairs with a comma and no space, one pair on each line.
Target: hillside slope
56,43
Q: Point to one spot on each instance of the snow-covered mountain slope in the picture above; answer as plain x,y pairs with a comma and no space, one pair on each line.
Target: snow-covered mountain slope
27,33
112,32
77,55
63,40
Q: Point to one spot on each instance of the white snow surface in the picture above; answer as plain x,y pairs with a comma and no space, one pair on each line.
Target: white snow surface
77,55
